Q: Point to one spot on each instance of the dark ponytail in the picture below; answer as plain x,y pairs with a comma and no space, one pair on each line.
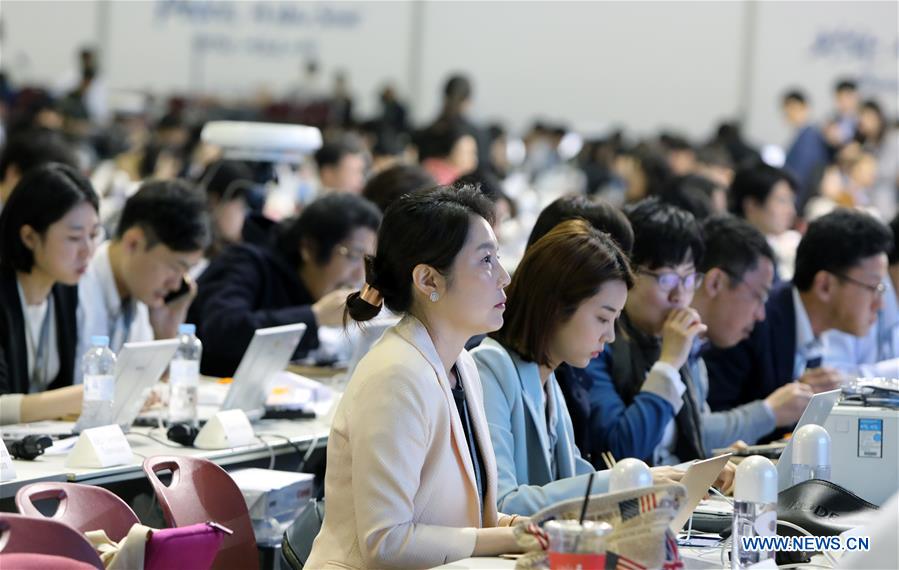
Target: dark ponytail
362,309
425,227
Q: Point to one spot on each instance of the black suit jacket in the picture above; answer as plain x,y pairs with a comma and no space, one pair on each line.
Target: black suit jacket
246,288
13,344
760,364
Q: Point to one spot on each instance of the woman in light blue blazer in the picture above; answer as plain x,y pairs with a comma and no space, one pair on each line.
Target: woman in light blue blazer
562,305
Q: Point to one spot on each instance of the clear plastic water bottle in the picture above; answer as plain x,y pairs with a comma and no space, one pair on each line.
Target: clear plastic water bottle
811,454
184,377
98,368
755,509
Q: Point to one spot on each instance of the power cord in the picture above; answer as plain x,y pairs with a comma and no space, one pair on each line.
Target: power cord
156,439
271,452
725,546
304,458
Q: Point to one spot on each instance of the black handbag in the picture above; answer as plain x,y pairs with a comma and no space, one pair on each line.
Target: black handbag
823,509
297,543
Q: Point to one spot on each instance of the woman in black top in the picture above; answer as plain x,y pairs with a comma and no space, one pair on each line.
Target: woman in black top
48,229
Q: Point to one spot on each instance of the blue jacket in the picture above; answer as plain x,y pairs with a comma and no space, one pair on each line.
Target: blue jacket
760,364
805,160
514,402
626,430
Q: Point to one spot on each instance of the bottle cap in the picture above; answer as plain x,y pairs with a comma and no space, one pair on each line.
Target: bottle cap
187,328
811,446
628,474
99,340
756,480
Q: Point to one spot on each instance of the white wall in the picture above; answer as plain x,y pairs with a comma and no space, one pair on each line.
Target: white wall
809,45
643,65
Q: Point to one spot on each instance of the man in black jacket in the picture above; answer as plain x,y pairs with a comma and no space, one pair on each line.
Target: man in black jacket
302,276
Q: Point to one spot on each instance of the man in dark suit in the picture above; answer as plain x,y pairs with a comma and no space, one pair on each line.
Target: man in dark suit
840,264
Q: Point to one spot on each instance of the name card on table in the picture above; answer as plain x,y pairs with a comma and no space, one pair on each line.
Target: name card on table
103,446
228,428
7,471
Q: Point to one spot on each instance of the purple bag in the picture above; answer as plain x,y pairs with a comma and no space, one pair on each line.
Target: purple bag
194,546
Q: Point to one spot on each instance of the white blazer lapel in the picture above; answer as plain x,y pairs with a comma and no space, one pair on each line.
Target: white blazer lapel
417,335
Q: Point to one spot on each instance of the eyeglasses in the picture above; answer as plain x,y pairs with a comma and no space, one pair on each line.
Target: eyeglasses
354,255
878,289
761,298
669,280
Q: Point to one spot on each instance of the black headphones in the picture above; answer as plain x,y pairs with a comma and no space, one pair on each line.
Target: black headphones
29,447
185,434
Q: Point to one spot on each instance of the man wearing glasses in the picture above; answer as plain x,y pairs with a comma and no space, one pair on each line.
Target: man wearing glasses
739,270
642,401
840,265
877,353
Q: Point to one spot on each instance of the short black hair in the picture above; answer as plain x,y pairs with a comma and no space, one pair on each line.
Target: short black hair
795,95
691,192
664,235
489,185
331,153
756,181
171,212
438,140
457,88
894,227
387,186
598,213
33,147
43,196
733,245
325,223
227,180
837,242
845,84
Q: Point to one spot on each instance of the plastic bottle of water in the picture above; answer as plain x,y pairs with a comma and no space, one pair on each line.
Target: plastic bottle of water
184,377
755,509
98,367
811,454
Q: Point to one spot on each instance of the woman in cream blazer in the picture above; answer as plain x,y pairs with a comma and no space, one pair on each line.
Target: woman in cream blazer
401,488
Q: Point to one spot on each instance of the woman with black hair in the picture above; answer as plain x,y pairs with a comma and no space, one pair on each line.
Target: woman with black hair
302,276
48,230
411,478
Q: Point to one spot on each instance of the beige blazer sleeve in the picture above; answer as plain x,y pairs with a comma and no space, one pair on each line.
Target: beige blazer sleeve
392,428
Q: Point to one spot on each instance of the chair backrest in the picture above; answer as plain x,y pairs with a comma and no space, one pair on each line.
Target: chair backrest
21,534
82,507
201,491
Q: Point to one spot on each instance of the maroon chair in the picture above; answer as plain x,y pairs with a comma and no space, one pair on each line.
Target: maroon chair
21,535
82,507
201,491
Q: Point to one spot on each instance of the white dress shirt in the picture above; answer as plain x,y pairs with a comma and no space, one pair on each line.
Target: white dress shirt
808,346
104,312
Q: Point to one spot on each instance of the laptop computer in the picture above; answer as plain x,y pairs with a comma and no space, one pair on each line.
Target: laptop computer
816,412
139,366
370,333
698,478
269,353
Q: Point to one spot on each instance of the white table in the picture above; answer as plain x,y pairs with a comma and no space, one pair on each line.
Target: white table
301,433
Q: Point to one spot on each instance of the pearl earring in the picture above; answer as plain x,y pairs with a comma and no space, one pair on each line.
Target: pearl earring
434,296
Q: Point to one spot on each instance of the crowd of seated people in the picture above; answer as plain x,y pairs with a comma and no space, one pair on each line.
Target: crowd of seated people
657,298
